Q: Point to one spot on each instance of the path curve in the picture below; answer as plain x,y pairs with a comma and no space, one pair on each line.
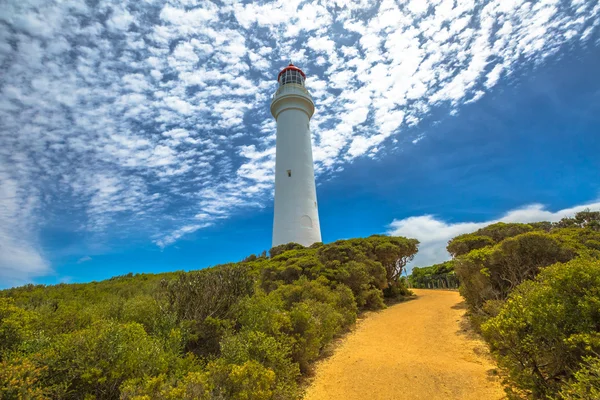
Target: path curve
420,349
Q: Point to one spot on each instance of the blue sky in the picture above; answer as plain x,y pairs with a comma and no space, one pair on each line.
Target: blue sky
136,136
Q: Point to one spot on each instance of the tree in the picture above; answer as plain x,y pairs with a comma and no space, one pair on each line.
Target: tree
501,230
394,255
466,243
583,219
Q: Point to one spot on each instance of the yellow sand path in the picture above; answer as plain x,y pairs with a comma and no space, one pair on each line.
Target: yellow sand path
420,349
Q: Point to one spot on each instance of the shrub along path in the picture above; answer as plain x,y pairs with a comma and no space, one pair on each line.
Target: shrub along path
421,349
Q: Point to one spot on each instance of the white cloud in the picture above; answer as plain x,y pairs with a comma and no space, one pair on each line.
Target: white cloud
120,21
175,235
434,233
21,260
131,121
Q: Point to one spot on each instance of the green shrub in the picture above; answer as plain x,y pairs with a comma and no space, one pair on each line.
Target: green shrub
237,331
144,310
193,386
248,381
371,299
97,360
16,326
282,248
20,379
547,326
209,293
271,353
585,384
502,230
265,313
466,243
204,301
491,273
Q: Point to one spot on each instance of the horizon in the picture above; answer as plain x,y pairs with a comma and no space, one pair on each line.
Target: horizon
138,138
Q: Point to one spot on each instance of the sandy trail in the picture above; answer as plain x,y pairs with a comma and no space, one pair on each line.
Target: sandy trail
414,350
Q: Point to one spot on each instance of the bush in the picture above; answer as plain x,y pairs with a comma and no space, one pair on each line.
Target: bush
146,310
269,352
548,326
237,331
248,381
282,248
585,384
97,360
466,243
204,301
209,293
20,379
16,326
491,273
193,386
501,230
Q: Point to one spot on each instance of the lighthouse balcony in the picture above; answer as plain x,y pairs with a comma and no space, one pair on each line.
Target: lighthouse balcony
292,88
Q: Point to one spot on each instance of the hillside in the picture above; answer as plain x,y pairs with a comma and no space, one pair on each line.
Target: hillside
247,330
253,330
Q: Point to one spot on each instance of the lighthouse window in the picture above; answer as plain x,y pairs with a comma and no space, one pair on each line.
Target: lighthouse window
289,171
291,76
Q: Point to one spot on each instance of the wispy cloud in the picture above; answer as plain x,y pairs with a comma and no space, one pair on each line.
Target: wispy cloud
144,115
20,257
434,233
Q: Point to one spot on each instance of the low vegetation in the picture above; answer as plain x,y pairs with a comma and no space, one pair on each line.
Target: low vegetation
533,290
244,331
438,276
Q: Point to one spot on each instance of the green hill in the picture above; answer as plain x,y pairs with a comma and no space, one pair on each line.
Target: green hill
246,330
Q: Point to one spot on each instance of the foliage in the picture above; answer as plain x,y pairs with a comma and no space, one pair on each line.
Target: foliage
204,301
484,237
585,384
468,242
19,379
16,326
208,293
491,273
534,291
584,219
435,276
97,360
270,352
548,325
246,331
248,381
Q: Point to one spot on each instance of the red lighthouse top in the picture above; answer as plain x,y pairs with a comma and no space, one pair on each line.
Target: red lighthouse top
291,67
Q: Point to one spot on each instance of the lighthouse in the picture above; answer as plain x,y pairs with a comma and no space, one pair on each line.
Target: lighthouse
296,217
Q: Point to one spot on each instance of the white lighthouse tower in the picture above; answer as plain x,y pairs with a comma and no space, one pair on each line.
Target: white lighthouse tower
296,213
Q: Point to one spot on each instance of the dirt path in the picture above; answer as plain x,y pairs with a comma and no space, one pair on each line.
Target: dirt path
414,350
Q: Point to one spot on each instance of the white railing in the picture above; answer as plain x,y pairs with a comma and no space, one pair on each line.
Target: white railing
292,88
